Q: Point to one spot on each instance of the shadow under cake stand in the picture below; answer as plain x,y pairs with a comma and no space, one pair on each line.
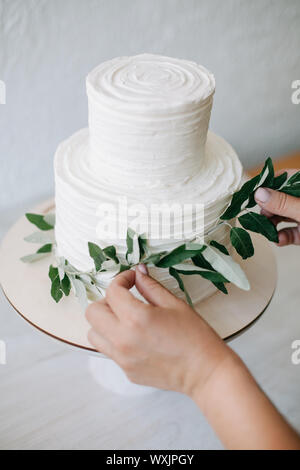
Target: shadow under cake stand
27,288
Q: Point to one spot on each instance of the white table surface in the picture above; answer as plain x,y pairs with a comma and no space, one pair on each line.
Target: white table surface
48,400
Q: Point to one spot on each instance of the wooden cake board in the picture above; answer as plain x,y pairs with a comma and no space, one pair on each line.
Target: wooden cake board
27,288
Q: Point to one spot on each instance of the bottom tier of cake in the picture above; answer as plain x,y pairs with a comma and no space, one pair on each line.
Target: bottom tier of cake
80,191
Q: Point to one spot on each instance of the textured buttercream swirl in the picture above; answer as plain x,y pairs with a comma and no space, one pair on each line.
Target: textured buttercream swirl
148,119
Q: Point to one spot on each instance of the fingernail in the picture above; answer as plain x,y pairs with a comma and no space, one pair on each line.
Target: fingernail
262,195
142,268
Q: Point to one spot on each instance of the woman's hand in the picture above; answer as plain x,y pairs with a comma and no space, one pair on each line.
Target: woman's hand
167,345
164,343
281,207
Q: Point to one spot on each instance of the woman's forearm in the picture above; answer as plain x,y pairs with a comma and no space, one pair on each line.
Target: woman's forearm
165,344
240,413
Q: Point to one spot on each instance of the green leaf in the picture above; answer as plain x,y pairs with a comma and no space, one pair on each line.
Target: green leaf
41,237
66,285
124,267
53,272
45,248
110,252
221,286
192,246
129,239
226,266
109,265
97,254
143,245
260,224
278,181
178,255
239,198
56,291
68,268
176,276
92,287
50,218
293,179
33,257
80,292
251,201
190,270
291,190
201,262
104,277
266,178
242,242
287,185
219,246
266,175
133,254
245,196
39,221
133,242
154,258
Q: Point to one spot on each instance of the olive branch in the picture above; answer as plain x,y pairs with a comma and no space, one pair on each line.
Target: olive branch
211,261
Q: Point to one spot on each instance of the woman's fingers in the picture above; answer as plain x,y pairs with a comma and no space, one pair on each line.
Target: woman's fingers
105,326
278,203
152,290
277,218
100,316
120,300
103,345
289,236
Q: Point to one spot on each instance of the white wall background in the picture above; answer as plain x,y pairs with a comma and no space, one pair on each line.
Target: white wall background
48,46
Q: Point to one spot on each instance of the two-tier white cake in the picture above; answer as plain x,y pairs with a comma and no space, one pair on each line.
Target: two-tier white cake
147,142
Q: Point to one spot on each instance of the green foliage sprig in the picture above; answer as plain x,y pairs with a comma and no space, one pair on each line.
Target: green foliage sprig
210,261
243,200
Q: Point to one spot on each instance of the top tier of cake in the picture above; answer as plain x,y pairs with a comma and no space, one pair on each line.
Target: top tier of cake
148,120
147,142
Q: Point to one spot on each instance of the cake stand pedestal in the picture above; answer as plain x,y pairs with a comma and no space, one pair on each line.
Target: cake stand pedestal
27,288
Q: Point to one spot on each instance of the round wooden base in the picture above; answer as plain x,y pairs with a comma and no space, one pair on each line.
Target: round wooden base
27,287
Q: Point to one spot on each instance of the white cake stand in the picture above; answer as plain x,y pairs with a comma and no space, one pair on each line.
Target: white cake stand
27,288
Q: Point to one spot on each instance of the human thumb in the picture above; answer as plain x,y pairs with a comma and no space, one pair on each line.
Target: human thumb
278,203
152,290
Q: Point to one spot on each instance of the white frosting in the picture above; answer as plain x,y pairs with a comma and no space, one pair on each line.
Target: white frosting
147,140
148,119
79,191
